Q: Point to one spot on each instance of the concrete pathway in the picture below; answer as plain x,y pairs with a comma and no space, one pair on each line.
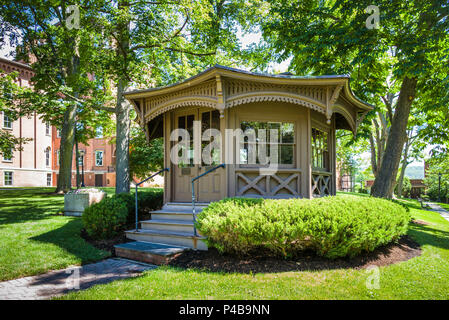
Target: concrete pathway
437,208
59,282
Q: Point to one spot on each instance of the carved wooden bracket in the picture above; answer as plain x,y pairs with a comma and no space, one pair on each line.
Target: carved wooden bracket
331,101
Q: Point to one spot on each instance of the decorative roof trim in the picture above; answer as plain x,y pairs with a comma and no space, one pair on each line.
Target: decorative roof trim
181,102
276,96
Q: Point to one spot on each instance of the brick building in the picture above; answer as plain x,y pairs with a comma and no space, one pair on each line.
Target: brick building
97,161
32,166
37,165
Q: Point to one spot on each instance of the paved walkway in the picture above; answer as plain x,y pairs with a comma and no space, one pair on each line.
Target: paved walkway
59,282
436,207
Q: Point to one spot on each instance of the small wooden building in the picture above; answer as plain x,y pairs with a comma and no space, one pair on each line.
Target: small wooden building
305,110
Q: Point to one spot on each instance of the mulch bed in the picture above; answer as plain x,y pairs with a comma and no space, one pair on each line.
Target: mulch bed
212,260
107,245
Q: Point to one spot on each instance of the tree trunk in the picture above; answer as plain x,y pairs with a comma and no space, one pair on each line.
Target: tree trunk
123,108
386,178
122,151
68,133
66,150
405,163
77,165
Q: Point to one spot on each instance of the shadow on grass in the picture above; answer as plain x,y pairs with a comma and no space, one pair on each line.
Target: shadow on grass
426,235
68,238
27,211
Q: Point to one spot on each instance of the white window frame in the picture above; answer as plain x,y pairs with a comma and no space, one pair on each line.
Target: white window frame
8,159
4,178
102,158
47,128
48,157
9,120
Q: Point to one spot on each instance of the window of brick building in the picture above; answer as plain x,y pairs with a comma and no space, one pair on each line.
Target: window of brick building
99,158
7,176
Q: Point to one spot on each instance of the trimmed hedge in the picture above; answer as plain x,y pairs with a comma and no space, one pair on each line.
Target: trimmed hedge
105,219
148,200
332,226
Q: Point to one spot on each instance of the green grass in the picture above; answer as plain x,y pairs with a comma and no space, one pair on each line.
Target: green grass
424,277
444,206
35,238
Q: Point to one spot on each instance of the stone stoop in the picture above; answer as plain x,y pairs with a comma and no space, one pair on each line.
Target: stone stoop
166,234
153,253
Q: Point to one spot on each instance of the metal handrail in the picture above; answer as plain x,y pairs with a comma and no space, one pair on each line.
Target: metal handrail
193,193
138,184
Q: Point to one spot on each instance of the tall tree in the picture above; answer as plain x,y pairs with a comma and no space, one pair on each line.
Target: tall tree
62,55
336,37
147,36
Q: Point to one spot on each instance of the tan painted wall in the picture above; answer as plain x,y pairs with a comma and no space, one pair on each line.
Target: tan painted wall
300,172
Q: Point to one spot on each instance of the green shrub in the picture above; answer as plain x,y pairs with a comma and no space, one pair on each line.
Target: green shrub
148,200
332,226
106,218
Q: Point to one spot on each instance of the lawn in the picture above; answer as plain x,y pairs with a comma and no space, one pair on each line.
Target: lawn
35,238
424,277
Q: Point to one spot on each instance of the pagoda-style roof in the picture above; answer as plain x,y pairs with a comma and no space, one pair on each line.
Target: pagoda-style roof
222,87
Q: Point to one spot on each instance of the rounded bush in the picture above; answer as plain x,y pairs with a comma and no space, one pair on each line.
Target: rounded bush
331,227
106,218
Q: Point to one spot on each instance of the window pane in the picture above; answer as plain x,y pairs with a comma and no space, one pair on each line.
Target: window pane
286,154
283,144
8,178
287,133
216,119
99,158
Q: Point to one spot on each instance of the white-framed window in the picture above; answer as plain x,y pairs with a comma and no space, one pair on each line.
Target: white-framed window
58,133
48,179
47,157
8,158
8,178
47,128
99,158
284,137
7,123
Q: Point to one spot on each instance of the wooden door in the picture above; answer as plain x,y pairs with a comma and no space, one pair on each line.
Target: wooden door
98,180
184,171
209,186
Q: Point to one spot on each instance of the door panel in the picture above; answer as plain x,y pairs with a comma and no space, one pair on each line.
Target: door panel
207,188
184,172
209,185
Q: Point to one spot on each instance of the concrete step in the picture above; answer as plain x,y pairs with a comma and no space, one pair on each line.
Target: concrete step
185,226
184,206
171,215
148,252
183,239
